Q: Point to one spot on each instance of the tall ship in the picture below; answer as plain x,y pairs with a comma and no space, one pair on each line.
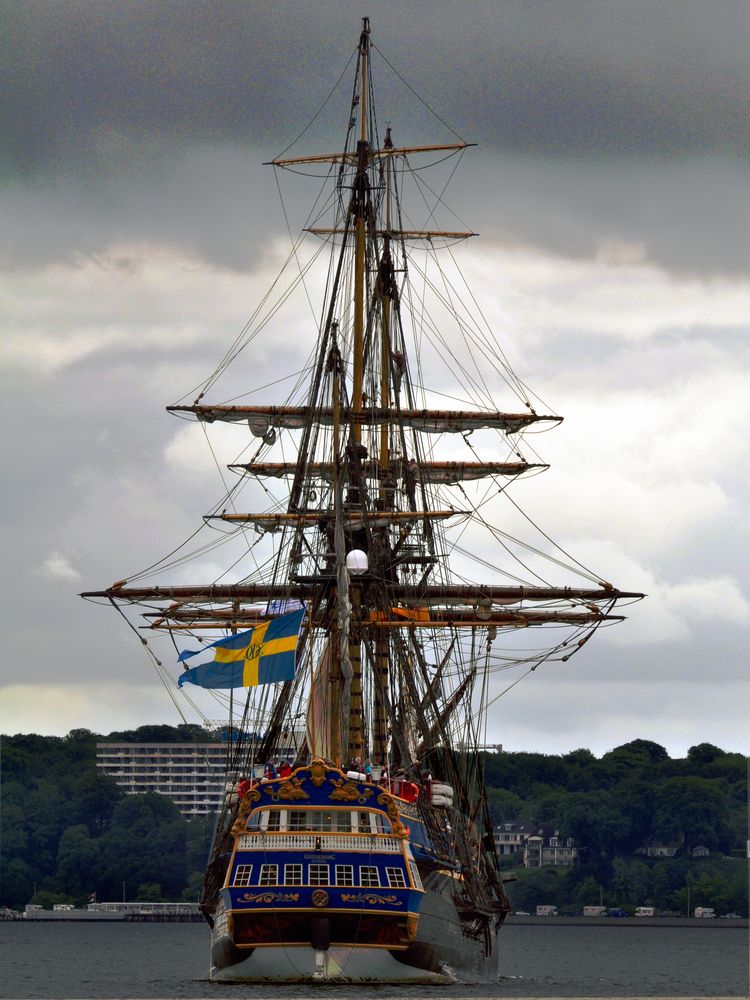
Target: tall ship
358,636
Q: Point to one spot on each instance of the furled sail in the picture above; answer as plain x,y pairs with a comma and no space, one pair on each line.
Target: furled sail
261,419
322,721
427,472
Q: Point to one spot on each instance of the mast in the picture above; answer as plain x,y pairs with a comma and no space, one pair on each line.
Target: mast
386,290
366,478
360,211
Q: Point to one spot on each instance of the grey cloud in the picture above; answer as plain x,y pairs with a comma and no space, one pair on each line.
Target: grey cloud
573,78
689,217
147,122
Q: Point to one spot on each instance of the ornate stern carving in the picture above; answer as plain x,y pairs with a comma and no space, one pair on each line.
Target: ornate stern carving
370,897
270,897
347,791
250,797
317,772
398,828
287,790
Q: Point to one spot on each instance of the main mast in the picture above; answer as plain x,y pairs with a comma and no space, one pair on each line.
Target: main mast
362,541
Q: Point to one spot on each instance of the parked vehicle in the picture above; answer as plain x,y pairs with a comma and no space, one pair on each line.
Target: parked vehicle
616,911
595,911
546,911
705,912
645,911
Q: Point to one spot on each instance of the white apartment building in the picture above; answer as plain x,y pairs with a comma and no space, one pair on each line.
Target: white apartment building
191,775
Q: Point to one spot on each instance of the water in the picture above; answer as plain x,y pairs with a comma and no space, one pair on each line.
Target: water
118,960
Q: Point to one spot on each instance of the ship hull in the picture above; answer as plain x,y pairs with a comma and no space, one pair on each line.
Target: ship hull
441,953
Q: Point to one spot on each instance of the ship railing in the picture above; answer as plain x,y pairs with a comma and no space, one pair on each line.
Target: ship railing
319,842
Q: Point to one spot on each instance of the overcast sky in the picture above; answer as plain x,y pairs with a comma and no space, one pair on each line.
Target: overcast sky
139,230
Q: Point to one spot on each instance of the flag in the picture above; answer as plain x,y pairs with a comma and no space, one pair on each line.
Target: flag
282,607
262,655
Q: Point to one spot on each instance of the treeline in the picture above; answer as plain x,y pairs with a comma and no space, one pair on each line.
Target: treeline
68,831
675,886
632,797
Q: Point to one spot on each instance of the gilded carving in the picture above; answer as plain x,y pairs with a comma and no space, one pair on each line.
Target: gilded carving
289,790
370,897
347,791
269,897
319,898
318,772
397,827
252,796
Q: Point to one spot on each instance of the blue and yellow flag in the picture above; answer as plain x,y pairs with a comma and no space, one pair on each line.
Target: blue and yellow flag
262,655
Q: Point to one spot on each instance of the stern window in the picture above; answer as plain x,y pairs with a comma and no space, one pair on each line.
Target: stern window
319,875
344,875
396,878
415,875
269,875
368,876
242,875
292,874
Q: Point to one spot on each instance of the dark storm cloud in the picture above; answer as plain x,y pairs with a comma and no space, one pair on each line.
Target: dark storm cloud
598,122
567,78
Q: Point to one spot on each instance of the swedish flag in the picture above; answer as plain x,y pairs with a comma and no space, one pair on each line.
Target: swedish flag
262,655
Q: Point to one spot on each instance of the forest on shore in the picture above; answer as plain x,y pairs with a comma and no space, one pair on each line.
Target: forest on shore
67,831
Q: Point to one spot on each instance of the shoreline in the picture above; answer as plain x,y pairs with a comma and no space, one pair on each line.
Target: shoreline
714,922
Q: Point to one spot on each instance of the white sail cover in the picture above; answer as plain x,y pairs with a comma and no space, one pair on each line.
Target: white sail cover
427,472
260,419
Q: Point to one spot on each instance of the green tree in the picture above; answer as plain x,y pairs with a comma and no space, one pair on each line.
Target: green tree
149,892
192,891
538,887
588,892
630,881
597,821
199,835
704,753
692,808
17,884
93,797
145,843
77,859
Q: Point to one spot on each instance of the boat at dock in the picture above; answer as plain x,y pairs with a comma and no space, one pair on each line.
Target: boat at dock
366,615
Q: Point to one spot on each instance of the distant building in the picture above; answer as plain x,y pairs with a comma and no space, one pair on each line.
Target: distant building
540,845
659,849
510,837
192,775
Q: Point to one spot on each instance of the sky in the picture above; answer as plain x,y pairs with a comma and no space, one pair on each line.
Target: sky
610,184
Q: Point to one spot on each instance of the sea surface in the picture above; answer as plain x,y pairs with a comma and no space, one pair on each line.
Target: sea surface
129,960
